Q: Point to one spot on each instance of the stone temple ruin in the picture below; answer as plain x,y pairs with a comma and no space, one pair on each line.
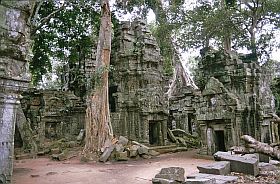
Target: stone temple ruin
138,103
233,99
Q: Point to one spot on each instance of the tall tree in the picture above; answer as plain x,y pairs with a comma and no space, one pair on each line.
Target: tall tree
98,125
250,24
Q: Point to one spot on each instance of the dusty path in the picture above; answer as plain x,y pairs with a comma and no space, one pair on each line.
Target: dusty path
45,171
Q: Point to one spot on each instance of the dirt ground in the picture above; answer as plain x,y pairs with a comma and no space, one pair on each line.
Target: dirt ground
140,171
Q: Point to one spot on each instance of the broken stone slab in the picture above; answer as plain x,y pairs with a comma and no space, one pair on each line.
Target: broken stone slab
267,167
121,156
247,164
119,148
172,173
220,168
133,150
142,150
201,181
106,154
164,181
123,141
275,162
219,179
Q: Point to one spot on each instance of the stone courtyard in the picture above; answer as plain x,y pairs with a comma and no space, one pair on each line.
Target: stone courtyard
233,98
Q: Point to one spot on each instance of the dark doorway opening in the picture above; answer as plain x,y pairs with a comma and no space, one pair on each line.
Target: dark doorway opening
220,140
190,123
153,133
112,98
17,138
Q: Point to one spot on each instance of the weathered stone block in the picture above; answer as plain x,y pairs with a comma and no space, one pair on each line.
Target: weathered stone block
119,148
133,151
121,156
201,181
221,168
142,150
247,164
172,173
106,154
164,181
219,179
122,140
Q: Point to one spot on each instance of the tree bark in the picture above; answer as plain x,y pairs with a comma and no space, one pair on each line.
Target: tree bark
98,125
260,147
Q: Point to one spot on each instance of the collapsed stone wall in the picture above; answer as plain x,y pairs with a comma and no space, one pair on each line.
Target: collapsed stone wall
137,100
53,114
14,76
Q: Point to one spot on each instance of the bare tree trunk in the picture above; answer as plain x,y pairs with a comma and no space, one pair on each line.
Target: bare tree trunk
260,147
98,125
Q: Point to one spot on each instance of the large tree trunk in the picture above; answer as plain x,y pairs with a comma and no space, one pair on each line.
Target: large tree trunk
98,126
260,147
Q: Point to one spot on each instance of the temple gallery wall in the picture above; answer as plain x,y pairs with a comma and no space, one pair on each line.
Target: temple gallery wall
233,98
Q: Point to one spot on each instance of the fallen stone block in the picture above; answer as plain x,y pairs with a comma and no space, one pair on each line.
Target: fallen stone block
119,148
106,154
219,179
123,141
121,156
247,164
267,167
220,168
142,150
275,162
172,173
200,181
164,181
133,151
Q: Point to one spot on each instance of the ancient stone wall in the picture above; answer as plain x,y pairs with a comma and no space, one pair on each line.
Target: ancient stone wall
14,77
232,101
54,114
137,101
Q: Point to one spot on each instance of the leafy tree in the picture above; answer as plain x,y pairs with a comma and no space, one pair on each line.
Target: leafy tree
249,24
65,33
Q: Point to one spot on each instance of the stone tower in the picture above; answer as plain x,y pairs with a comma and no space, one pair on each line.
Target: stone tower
137,100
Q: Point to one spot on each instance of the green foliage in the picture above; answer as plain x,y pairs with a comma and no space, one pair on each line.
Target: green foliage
68,36
248,24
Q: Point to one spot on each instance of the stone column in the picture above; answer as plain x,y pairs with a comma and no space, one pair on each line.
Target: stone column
14,77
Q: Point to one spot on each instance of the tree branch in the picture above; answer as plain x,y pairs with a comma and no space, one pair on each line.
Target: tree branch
46,19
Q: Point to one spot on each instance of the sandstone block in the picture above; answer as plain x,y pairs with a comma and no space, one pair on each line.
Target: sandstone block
221,168
247,164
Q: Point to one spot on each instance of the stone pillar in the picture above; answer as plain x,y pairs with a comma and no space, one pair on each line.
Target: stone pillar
14,77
